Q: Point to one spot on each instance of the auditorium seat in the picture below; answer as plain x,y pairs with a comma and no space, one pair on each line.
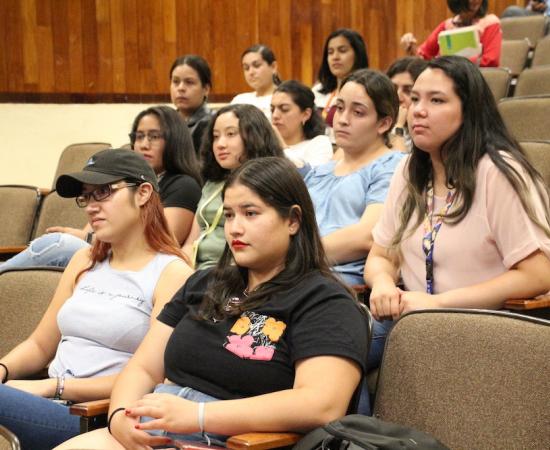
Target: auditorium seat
535,81
538,153
541,56
498,79
514,55
527,118
531,27
25,295
18,210
8,440
25,219
472,379
73,158
56,210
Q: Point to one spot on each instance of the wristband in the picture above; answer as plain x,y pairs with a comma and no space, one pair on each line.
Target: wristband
111,418
6,374
59,388
201,424
201,417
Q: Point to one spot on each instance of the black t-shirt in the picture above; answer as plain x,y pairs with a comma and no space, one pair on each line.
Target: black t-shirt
179,191
255,353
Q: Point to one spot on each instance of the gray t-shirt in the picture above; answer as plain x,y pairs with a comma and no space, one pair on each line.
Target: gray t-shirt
106,318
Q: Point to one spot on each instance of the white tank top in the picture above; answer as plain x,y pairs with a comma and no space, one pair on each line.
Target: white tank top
105,319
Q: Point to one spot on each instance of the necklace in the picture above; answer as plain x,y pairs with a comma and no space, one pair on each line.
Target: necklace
232,303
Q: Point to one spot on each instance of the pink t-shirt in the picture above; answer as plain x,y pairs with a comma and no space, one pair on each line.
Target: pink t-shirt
495,234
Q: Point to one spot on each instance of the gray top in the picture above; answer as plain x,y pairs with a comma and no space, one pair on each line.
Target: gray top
105,319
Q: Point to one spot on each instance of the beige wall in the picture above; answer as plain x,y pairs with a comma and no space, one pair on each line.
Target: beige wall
34,135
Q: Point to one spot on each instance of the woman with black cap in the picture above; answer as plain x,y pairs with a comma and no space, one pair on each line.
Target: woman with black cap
102,307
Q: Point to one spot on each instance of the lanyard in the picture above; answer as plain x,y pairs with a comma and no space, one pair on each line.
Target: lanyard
431,230
326,109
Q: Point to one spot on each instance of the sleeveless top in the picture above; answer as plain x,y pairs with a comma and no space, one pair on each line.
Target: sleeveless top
106,318
211,241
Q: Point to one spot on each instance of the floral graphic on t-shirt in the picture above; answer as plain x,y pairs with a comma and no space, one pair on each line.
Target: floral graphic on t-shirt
241,346
241,326
273,329
255,336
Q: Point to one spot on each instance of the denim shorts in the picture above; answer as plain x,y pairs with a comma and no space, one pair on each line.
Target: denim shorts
194,396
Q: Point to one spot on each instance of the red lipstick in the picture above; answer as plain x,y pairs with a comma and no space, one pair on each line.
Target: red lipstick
238,245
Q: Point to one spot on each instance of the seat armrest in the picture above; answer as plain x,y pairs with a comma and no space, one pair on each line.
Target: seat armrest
262,441
12,250
90,409
525,304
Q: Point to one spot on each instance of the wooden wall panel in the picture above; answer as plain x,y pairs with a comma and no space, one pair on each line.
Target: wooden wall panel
95,50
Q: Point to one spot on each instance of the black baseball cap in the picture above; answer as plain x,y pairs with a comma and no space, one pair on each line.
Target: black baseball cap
107,166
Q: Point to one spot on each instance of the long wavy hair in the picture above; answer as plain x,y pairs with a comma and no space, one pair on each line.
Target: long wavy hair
304,99
179,155
257,134
325,76
277,182
482,132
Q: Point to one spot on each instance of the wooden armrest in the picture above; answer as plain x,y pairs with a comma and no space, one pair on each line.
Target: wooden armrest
14,249
90,409
262,441
524,304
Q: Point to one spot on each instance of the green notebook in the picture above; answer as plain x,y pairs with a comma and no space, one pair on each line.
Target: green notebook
463,41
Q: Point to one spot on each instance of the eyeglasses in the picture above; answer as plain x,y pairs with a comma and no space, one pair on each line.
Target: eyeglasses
152,137
101,193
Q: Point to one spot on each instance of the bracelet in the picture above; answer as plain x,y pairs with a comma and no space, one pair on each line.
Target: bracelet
201,417
111,418
89,237
6,374
60,387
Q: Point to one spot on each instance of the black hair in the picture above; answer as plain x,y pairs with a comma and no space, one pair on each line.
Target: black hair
257,134
267,55
326,78
304,99
277,182
179,155
382,92
459,6
482,132
198,64
413,65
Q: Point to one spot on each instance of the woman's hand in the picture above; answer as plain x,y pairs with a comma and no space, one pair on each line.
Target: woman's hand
385,299
76,232
415,300
401,117
123,429
408,43
169,412
42,388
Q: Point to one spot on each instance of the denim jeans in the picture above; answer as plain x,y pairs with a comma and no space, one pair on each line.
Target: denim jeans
194,396
380,331
51,249
39,423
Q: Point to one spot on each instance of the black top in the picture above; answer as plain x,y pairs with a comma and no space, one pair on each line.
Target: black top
179,191
255,353
197,123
